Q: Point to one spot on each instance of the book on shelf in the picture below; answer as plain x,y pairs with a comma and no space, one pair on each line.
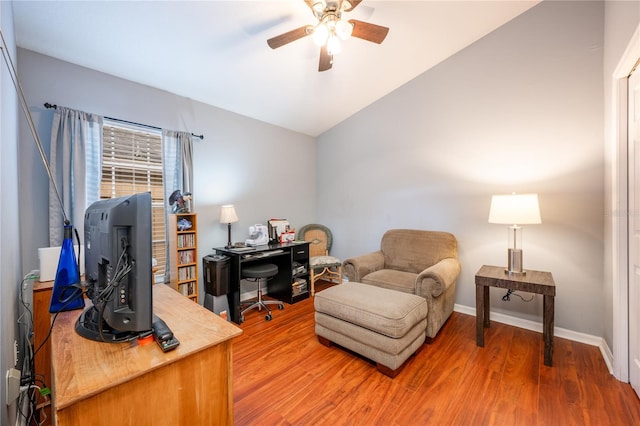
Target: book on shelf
187,289
186,273
186,240
183,289
186,256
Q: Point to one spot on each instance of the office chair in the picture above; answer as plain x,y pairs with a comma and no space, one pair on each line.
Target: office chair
257,273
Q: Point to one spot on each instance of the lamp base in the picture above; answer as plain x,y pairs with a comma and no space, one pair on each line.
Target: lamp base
229,245
514,262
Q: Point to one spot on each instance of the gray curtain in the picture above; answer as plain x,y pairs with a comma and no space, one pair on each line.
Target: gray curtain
177,164
75,160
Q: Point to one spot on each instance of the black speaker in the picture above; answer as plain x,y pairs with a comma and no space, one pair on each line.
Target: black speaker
216,274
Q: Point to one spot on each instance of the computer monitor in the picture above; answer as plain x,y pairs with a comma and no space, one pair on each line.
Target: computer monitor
118,269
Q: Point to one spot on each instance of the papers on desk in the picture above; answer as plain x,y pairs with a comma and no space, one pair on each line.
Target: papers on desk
277,227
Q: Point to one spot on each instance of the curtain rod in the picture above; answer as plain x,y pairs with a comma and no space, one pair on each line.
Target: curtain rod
53,106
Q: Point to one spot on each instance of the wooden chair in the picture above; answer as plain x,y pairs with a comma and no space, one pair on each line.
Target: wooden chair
321,264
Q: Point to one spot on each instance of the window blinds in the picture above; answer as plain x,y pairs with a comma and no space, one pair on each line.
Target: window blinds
132,163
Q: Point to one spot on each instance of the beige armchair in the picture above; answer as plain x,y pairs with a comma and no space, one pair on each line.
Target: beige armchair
424,263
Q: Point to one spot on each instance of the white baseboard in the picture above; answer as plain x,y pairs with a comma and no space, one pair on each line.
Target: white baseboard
557,331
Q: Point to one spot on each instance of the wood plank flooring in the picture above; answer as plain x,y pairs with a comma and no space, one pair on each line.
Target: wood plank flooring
284,376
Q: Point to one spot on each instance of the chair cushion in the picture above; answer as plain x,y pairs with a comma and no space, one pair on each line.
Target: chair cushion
264,270
393,280
322,261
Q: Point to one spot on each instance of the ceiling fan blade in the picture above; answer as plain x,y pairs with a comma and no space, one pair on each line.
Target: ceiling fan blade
310,3
370,32
288,37
326,60
354,4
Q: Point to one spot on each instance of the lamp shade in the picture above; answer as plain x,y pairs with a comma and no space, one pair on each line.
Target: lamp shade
515,209
228,214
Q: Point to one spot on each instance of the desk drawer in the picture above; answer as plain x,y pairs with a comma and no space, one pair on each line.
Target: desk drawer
301,253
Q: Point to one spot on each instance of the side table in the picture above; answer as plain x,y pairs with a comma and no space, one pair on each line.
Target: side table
532,282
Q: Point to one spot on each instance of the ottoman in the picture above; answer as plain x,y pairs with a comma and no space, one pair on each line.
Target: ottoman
383,325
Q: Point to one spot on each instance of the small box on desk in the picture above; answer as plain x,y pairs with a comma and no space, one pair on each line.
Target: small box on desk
49,257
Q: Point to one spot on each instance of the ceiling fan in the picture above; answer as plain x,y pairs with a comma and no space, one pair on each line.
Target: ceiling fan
330,29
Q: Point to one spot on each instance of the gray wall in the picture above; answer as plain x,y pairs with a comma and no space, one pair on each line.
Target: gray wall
10,223
521,110
254,165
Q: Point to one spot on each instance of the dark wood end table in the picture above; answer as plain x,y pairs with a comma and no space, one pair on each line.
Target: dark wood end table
532,282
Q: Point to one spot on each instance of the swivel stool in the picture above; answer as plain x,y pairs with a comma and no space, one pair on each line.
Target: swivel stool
257,273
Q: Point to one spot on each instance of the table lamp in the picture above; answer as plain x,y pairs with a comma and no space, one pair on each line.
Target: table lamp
515,210
228,215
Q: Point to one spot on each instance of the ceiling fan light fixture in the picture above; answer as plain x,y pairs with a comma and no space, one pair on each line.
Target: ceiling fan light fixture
330,29
320,34
344,29
319,6
333,45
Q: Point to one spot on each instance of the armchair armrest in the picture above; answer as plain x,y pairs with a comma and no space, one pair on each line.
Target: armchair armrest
360,266
436,279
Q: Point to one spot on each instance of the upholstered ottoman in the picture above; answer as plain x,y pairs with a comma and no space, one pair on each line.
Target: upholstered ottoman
386,326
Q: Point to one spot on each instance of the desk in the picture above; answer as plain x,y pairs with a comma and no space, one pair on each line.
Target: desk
279,287
532,282
98,383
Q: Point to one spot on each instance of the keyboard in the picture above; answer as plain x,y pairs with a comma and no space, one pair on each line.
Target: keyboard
262,254
242,249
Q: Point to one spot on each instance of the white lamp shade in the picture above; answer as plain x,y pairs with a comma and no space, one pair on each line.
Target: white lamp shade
333,45
228,214
515,209
344,29
320,34
319,6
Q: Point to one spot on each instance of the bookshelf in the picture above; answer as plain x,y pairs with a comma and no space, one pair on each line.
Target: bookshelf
183,246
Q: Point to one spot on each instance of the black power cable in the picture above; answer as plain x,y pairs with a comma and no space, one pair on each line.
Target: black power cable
507,296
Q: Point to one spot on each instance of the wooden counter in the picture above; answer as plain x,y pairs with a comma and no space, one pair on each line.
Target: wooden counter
130,384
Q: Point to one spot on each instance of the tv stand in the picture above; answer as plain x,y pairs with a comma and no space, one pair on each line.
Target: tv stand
89,326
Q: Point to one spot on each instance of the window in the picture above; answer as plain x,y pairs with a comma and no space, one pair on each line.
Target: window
132,163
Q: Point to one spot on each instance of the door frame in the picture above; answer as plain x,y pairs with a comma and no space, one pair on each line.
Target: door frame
619,210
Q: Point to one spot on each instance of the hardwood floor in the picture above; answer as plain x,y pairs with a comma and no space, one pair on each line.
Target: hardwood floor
284,376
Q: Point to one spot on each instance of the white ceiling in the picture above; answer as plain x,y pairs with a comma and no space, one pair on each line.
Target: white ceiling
216,52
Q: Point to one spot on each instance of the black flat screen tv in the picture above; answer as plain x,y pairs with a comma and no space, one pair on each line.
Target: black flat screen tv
118,269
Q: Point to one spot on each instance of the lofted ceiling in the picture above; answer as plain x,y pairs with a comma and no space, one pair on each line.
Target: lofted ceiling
216,51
